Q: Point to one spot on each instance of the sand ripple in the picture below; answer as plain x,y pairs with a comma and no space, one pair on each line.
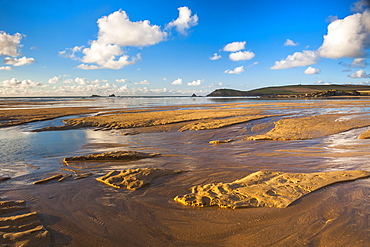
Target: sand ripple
264,189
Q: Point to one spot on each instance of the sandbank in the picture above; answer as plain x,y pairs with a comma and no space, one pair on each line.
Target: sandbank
264,189
22,116
301,128
133,179
20,227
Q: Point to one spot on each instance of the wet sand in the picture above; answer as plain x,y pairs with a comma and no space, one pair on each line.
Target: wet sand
86,212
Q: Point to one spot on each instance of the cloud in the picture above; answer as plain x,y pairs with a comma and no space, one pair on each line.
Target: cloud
215,57
9,44
241,55
358,63
178,81
15,83
360,6
359,74
70,52
84,81
68,81
88,67
19,61
54,80
107,56
195,83
322,83
184,22
348,37
235,46
144,82
298,59
237,70
6,68
122,80
290,42
249,66
117,29
311,71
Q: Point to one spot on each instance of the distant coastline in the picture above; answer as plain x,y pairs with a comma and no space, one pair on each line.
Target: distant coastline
298,91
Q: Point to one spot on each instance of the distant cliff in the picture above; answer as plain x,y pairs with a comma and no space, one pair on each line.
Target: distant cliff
297,91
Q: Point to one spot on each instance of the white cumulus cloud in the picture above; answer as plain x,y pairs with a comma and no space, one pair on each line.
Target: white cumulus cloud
178,81
71,52
195,83
118,29
312,71
358,63
184,22
122,80
215,57
237,70
144,82
19,61
6,68
359,74
348,37
84,81
68,81
289,42
298,59
9,44
54,80
241,55
235,46
107,56
15,83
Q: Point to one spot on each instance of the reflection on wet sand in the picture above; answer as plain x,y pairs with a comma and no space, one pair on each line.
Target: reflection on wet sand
85,212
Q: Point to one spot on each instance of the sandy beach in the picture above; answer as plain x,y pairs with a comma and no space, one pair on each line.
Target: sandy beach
261,173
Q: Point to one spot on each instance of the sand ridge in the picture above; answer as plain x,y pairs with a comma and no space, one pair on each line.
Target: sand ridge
19,227
22,116
302,128
158,118
133,179
264,189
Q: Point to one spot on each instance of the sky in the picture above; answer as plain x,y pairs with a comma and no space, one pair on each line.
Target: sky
173,47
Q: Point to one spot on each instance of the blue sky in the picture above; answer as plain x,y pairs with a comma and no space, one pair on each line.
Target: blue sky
127,47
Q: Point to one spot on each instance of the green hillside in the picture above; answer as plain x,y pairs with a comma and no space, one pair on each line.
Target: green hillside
297,90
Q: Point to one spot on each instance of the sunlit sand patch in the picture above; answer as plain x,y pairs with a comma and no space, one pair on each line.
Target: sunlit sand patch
220,123
134,179
264,189
312,127
221,141
154,118
19,227
365,135
109,156
22,116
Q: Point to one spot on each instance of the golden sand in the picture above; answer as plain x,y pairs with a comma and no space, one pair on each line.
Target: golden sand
19,227
22,116
264,189
365,135
133,179
301,128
